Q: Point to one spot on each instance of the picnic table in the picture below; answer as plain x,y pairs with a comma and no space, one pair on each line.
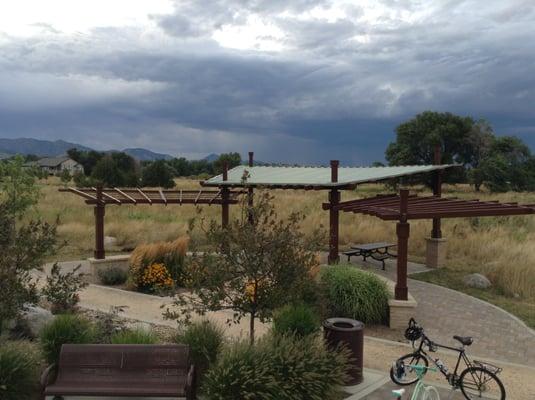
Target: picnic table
378,251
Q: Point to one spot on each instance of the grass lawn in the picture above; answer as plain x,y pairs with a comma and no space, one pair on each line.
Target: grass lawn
454,280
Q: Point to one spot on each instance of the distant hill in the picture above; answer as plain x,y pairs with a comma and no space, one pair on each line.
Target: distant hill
49,148
146,155
41,148
211,157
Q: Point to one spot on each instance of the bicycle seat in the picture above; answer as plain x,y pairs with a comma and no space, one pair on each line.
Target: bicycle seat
465,340
398,393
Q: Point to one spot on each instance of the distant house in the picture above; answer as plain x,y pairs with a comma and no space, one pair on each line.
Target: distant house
55,165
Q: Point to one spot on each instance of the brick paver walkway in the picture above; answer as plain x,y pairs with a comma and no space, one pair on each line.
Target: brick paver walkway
445,312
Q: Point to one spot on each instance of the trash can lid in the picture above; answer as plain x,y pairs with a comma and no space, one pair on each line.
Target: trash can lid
343,324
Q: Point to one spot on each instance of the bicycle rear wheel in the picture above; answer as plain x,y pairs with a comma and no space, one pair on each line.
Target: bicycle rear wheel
407,377
480,383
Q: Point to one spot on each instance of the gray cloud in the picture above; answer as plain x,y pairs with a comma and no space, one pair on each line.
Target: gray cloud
336,89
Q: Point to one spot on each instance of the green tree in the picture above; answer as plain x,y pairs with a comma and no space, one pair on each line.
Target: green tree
116,169
23,246
88,159
417,138
157,173
508,165
262,265
232,160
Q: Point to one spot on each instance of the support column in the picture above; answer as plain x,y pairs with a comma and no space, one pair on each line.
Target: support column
99,212
403,231
334,199
436,245
250,191
436,233
225,198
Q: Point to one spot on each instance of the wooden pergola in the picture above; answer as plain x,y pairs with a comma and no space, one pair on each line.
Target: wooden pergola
333,179
405,207
100,197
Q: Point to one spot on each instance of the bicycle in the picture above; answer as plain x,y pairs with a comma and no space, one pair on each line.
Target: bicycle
421,391
476,380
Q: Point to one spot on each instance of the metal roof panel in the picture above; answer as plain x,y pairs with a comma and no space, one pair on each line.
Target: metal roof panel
315,176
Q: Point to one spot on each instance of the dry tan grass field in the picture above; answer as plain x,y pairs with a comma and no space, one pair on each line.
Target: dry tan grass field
501,248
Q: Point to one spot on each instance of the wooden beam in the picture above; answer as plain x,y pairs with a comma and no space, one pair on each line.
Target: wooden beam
125,195
144,195
215,197
162,196
198,196
83,194
108,196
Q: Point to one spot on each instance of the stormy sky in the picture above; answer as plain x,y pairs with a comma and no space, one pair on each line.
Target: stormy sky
296,81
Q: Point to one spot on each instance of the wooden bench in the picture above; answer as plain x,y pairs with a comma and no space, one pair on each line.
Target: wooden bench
377,251
121,371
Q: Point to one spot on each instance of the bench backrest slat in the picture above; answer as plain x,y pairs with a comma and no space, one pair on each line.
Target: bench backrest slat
164,364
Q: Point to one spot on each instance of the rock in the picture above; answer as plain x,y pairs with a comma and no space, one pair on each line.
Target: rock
139,326
476,280
110,241
36,318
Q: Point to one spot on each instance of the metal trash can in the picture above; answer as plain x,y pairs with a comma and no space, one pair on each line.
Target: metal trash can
351,333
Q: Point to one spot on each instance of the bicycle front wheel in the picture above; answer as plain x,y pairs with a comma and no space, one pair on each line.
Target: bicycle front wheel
430,393
407,377
480,383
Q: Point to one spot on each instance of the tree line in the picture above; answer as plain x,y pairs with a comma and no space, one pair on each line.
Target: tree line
118,169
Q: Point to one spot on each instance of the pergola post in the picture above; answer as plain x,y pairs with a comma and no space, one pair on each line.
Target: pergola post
224,198
402,230
436,233
250,191
334,199
99,212
436,245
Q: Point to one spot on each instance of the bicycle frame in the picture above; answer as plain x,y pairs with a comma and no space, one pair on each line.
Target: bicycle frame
425,341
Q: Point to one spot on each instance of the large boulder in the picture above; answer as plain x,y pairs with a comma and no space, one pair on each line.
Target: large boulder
35,318
476,280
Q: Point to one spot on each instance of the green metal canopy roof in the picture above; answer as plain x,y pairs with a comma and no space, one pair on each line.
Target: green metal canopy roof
314,177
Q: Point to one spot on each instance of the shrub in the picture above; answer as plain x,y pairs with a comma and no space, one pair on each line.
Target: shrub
112,275
18,371
300,320
352,293
205,340
61,290
67,328
156,278
134,336
170,254
279,367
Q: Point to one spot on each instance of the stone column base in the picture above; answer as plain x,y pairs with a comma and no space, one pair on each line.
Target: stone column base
400,312
435,252
95,265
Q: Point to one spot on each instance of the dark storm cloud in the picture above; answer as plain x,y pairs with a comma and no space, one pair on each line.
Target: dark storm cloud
336,90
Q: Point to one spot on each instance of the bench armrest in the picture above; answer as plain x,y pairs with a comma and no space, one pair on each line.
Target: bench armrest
45,377
191,392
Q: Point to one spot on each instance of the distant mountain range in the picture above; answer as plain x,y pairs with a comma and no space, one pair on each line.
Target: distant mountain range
48,148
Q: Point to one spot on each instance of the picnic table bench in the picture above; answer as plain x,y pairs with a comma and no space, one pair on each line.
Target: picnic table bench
110,370
378,251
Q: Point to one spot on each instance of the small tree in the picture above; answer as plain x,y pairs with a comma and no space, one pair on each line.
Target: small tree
262,264
158,173
65,177
23,247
